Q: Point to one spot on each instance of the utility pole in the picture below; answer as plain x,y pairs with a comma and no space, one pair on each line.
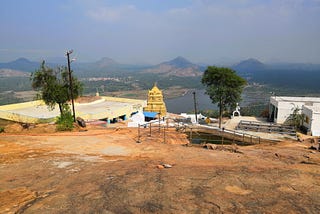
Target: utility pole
71,86
195,106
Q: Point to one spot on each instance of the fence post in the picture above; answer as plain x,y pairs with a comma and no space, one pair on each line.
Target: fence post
190,135
164,134
243,138
222,135
150,129
138,141
167,121
234,134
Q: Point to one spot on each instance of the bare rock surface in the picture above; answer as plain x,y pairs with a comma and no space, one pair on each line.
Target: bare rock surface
106,171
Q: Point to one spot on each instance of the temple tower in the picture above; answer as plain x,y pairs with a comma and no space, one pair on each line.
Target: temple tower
155,101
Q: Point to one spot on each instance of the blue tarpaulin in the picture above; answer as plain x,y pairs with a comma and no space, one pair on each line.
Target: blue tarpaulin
150,114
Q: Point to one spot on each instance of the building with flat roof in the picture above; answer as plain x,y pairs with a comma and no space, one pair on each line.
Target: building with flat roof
282,107
312,119
105,108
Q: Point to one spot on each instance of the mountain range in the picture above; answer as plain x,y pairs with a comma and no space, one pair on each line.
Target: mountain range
176,67
179,71
179,66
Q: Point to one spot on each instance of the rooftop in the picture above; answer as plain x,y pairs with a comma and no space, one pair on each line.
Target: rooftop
104,107
295,99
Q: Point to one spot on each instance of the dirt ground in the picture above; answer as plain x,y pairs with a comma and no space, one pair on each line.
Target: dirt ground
105,170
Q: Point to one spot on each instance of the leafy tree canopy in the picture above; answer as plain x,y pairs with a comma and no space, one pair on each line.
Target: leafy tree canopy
53,86
223,86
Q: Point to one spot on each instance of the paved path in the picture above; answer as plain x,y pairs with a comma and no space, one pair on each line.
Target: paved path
233,123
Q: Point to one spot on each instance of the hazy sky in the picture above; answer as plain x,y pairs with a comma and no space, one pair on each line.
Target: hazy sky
152,31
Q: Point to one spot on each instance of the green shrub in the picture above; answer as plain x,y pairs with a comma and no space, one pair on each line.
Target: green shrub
1,129
65,122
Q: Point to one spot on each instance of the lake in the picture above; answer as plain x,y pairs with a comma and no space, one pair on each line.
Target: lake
186,103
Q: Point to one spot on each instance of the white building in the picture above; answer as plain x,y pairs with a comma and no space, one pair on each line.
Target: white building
312,119
193,117
282,107
137,119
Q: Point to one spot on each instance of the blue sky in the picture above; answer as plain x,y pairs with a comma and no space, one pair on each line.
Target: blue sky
151,31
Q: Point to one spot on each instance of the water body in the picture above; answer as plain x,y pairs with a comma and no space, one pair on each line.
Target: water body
185,103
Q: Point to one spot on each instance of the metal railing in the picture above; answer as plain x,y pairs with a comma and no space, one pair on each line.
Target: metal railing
266,127
153,129
158,131
206,134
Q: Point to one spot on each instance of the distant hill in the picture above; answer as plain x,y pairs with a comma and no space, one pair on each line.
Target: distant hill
97,68
21,64
287,75
25,65
105,67
179,66
179,62
295,75
106,62
249,65
254,65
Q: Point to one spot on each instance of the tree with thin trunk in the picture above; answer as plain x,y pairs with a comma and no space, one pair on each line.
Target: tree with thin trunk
224,87
53,86
296,118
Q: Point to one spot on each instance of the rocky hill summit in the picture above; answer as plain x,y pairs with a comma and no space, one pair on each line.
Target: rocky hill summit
179,66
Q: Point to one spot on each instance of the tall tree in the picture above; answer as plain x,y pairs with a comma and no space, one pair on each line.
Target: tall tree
224,87
53,86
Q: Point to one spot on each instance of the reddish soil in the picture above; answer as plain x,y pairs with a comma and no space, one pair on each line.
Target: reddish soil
105,170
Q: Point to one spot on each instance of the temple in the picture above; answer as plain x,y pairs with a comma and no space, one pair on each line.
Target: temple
155,101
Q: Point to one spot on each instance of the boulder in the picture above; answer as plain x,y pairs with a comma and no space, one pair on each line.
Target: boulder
81,122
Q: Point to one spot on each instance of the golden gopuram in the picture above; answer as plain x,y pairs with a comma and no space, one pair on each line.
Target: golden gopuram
155,101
